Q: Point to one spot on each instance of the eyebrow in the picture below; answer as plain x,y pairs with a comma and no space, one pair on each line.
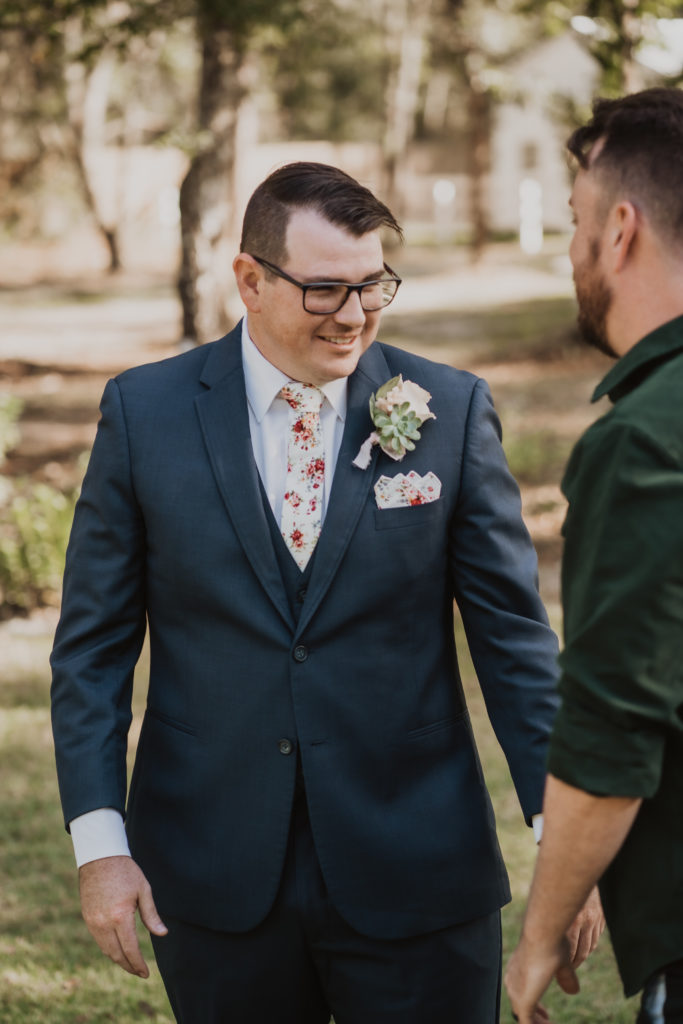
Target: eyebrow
376,276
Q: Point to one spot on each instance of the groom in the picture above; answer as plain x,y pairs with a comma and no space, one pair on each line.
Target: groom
307,809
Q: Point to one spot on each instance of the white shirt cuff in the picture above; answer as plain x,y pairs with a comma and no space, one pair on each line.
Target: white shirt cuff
98,834
537,826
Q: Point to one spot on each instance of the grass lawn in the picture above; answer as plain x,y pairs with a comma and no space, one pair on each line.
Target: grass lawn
50,970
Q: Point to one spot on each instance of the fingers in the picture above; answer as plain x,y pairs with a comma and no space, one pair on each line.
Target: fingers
567,980
117,938
121,945
584,934
584,945
148,911
539,1015
112,889
573,936
527,976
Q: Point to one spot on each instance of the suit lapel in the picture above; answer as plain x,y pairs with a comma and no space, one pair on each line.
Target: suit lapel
350,485
224,419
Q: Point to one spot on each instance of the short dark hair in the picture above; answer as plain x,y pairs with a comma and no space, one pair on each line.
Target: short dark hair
332,193
641,155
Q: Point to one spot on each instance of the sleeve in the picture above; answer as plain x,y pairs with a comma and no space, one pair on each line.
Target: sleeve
101,627
98,834
622,666
494,570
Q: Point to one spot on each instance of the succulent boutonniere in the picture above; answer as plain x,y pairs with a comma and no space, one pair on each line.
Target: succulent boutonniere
397,409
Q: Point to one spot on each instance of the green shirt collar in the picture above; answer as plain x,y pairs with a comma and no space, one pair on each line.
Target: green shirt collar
655,348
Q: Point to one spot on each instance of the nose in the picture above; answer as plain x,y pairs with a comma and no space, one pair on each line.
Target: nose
352,312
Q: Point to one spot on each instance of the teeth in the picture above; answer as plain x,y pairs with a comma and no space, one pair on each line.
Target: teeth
338,340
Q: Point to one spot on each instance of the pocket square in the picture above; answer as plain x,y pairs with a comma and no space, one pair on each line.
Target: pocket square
407,489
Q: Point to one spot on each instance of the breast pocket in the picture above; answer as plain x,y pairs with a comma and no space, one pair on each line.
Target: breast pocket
408,515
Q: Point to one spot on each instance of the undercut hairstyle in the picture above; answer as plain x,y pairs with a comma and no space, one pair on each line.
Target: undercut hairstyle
332,193
640,158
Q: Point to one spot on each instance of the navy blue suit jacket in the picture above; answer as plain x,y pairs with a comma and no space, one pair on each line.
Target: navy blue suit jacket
171,529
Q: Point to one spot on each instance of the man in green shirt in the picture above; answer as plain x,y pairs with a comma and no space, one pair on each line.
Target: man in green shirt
614,795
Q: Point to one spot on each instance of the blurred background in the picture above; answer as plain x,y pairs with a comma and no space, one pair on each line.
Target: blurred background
131,135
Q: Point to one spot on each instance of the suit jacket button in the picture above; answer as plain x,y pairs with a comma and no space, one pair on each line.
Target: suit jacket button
285,746
300,653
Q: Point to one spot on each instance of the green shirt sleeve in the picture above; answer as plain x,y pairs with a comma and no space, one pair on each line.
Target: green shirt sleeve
622,676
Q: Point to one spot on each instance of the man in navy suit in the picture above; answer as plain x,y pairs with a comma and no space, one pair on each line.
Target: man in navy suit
307,805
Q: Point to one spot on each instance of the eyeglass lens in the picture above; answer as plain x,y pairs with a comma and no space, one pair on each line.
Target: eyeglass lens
328,298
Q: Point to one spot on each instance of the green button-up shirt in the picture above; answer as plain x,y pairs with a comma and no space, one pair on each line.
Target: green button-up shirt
619,731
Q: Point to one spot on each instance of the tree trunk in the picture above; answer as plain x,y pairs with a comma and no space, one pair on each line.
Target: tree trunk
479,157
632,79
205,194
87,102
409,28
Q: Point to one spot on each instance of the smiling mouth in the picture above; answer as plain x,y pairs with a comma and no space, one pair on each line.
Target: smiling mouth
341,340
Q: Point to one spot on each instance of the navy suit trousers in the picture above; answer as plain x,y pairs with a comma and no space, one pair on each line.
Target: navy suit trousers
304,963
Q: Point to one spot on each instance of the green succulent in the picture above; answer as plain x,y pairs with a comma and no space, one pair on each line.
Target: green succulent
398,429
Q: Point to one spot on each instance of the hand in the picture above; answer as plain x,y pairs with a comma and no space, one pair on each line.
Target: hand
584,933
112,889
531,968
528,975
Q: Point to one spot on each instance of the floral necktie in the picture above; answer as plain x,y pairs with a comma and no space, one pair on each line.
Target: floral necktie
302,506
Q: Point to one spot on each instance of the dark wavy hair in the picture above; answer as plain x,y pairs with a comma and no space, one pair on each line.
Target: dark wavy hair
641,155
332,193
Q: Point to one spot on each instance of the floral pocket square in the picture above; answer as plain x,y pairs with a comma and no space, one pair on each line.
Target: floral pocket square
407,489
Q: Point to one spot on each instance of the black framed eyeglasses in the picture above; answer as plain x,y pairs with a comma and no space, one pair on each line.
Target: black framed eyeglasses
326,297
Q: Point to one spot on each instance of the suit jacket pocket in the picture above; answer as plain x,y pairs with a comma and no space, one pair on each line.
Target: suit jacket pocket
408,515
443,723
174,723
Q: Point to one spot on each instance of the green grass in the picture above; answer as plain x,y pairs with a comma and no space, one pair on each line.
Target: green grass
542,330
50,970
601,999
535,455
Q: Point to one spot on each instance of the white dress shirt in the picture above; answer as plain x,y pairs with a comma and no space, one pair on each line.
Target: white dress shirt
100,833
269,422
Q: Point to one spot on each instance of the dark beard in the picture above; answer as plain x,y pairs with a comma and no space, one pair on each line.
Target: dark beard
594,302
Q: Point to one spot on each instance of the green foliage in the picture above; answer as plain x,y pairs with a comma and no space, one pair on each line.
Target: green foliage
536,456
398,427
329,73
621,27
10,410
36,520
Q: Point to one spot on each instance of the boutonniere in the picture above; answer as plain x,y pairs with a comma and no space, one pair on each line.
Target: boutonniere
397,409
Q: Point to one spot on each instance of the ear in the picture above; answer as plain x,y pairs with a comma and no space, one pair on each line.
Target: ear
621,233
250,278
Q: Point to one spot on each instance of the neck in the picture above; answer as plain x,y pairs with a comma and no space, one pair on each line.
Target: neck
643,302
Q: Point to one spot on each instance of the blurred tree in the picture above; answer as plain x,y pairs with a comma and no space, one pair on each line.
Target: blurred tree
326,74
61,93
472,40
408,27
225,30
616,31
77,40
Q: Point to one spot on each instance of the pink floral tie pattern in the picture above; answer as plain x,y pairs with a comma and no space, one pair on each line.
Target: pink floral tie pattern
302,506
